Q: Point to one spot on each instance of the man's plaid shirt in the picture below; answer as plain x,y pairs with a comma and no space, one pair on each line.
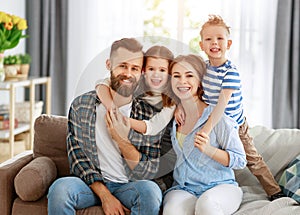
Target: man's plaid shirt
81,142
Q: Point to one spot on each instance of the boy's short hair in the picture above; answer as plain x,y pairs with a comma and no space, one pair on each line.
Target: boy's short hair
130,44
214,20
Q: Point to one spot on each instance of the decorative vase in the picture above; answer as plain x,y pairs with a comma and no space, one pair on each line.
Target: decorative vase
2,73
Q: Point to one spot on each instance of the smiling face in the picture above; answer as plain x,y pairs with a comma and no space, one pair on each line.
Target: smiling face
156,73
125,67
214,42
185,80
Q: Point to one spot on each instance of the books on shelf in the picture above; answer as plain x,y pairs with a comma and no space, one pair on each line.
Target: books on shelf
4,116
4,124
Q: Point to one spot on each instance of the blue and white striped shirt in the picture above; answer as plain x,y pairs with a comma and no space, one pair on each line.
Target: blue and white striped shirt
225,76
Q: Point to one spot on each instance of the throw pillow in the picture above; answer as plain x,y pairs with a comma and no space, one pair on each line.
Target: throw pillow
33,181
290,180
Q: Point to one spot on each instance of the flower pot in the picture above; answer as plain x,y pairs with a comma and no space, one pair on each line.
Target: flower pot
2,73
24,69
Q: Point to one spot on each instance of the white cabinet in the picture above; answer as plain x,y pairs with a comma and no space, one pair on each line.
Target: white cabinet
10,87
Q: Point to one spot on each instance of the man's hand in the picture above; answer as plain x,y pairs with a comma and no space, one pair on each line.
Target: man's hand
118,125
110,204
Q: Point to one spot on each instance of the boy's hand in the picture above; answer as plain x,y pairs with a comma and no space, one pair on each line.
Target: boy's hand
202,143
118,125
179,115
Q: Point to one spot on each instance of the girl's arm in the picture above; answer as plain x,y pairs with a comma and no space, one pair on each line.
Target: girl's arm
218,111
103,93
154,125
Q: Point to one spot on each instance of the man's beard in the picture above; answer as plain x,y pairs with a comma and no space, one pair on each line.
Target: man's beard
122,89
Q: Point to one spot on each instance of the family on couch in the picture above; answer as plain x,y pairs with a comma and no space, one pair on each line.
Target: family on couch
114,165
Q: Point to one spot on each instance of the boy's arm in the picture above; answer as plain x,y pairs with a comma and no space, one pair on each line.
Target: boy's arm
218,111
154,125
103,93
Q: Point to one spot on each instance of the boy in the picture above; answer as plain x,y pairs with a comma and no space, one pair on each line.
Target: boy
222,88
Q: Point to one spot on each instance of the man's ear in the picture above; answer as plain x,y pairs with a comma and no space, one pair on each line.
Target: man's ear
229,42
201,45
108,64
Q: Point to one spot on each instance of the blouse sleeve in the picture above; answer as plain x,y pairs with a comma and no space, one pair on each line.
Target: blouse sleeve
159,121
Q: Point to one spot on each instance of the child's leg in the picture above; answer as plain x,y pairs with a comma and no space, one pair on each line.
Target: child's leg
256,164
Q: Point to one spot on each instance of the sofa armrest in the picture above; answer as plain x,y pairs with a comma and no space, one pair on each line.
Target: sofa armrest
8,170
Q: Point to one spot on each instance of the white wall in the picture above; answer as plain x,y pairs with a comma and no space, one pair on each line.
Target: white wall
15,7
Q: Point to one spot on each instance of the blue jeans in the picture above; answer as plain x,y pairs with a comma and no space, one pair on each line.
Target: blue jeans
68,194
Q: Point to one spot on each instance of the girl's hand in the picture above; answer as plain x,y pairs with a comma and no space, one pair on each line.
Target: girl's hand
179,115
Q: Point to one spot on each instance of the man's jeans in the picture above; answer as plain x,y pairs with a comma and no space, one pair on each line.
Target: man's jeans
68,194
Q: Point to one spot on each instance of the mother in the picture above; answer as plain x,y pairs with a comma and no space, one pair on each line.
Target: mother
204,181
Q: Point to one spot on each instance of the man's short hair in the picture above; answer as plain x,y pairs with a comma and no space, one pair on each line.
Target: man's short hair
130,44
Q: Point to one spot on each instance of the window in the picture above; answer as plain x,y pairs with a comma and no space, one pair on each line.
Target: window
252,30
94,26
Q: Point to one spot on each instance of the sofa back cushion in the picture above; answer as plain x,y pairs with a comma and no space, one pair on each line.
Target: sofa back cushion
278,147
50,141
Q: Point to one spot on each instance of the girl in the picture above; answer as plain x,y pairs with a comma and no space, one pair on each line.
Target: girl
154,89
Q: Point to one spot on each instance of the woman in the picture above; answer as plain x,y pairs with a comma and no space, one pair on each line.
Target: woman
204,181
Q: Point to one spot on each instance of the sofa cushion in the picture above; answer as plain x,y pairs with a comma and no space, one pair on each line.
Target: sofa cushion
50,141
278,148
290,180
34,179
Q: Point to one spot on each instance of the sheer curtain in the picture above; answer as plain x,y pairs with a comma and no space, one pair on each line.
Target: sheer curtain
93,26
253,31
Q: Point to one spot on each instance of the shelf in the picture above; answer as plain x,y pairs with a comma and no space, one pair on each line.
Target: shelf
22,127
10,86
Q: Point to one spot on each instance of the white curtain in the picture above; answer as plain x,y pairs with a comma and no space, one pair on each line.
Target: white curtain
93,26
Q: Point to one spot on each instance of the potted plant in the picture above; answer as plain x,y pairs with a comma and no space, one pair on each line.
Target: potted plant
25,60
11,65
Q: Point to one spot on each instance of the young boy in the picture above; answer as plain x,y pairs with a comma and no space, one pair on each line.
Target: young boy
222,88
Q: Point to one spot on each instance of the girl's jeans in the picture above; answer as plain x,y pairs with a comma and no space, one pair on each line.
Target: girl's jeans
68,194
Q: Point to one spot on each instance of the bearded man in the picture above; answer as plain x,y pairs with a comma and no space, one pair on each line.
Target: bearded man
102,161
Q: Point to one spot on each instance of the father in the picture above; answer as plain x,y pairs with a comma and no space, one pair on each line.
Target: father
96,161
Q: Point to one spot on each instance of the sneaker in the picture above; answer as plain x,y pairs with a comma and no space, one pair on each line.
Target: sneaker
277,196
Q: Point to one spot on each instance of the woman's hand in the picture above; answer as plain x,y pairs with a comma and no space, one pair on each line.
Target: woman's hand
117,125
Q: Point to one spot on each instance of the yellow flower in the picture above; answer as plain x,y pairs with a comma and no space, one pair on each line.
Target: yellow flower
11,28
5,18
15,19
22,24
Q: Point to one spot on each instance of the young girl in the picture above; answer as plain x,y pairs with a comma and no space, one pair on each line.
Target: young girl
154,89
